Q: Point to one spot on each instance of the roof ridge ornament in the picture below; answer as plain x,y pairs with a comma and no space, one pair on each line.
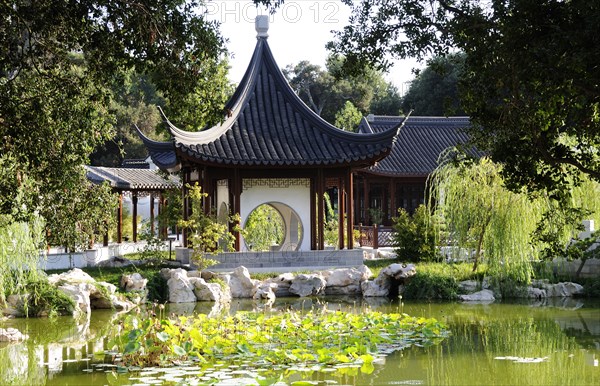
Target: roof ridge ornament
261,23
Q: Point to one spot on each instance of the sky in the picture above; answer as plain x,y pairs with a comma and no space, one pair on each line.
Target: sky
298,31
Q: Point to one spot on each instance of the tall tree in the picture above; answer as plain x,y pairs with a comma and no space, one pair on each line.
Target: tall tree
531,82
58,61
326,91
434,91
348,117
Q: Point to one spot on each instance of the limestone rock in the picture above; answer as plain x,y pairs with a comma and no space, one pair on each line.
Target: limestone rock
73,276
240,283
80,293
102,299
566,289
308,285
469,286
14,306
481,296
536,293
399,271
265,291
210,292
12,335
365,272
345,281
116,261
180,288
282,284
165,273
380,287
133,282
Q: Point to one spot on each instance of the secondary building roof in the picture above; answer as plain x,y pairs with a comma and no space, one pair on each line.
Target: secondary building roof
131,179
268,126
419,144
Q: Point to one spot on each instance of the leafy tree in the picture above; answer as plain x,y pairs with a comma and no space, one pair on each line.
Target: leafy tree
57,66
326,91
312,84
81,215
531,83
348,117
483,219
264,227
434,91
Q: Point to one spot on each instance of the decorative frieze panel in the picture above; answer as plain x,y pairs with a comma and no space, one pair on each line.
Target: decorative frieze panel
275,183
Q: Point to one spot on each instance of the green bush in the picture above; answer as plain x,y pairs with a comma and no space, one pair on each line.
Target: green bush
431,286
157,288
46,298
415,236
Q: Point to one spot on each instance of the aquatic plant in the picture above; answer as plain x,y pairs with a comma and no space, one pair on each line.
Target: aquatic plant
315,338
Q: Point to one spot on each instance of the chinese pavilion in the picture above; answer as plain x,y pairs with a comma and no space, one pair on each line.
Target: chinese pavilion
272,149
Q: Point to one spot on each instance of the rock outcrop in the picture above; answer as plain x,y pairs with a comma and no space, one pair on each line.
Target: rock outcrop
308,285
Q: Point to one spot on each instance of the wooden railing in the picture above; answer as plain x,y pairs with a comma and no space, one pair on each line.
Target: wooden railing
375,236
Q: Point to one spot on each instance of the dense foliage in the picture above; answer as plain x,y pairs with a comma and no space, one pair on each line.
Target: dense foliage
327,91
264,227
531,81
434,91
20,243
415,236
483,219
59,63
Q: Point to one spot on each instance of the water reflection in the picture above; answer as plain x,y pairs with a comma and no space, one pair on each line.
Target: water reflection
564,333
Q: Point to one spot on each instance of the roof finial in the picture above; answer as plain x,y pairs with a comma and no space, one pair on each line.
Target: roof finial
262,26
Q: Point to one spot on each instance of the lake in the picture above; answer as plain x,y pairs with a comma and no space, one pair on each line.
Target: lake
550,342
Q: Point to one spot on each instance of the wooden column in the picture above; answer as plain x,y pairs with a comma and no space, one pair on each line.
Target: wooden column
120,219
394,208
134,202
186,204
152,214
366,198
320,210
349,210
237,194
313,213
341,210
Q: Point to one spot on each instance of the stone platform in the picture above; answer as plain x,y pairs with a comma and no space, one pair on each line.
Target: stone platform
287,260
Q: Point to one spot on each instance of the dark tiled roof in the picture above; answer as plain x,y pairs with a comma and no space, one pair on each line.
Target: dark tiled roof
268,125
419,144
131,178
162,153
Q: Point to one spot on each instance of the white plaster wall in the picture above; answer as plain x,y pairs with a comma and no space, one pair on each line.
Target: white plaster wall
297,197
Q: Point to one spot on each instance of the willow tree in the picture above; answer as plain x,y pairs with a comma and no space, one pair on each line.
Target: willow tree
485,219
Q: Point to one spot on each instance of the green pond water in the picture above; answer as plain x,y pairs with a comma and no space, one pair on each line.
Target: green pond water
553,342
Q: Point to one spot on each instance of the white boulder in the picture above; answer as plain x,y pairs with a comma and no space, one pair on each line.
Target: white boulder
240,283
133,282
180,288
481,296
282,284
308,285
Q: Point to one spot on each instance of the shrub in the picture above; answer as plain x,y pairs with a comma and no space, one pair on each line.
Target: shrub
414,236
431,285
44,297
